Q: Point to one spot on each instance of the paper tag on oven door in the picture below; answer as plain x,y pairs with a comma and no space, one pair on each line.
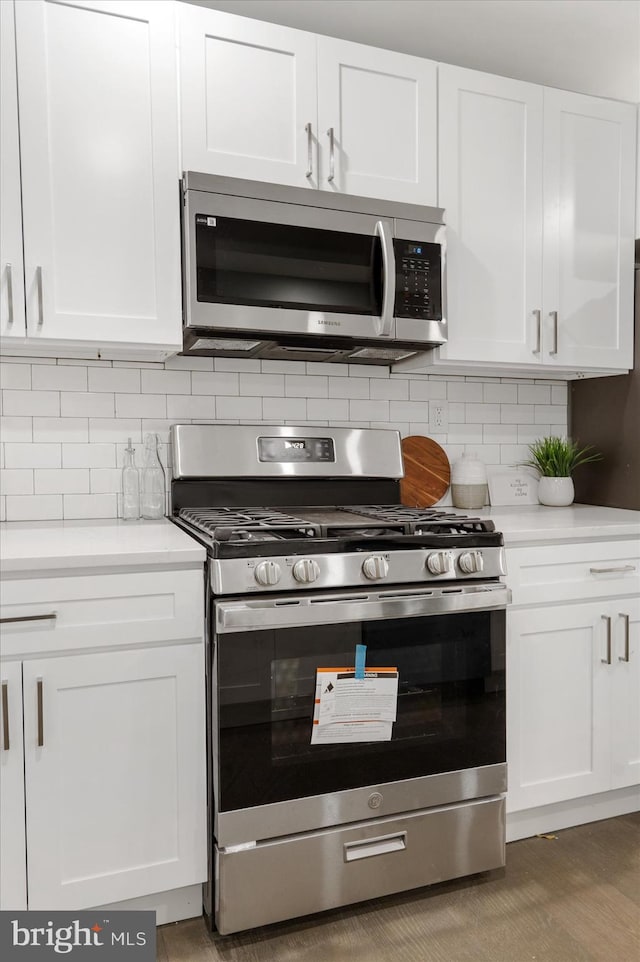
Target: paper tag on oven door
350,709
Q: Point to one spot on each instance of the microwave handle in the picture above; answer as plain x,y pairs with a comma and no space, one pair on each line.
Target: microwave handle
384,232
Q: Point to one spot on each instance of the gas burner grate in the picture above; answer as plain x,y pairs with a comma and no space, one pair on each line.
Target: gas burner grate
246,523
424,520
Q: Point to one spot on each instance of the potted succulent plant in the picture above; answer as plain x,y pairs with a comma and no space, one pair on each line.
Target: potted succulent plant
556,459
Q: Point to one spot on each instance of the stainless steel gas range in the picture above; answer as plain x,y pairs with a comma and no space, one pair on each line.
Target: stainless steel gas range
315,572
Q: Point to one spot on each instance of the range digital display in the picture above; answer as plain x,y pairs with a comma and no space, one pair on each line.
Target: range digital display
295,450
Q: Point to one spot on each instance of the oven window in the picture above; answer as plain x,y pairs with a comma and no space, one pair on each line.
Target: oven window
276,265
451,705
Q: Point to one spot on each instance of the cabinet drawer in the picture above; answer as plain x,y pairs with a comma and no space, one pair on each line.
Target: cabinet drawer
100,611
557,573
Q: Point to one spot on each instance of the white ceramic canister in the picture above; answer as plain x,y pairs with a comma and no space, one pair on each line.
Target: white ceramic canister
469,482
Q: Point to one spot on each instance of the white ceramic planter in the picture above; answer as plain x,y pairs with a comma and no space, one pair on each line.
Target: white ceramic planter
556,492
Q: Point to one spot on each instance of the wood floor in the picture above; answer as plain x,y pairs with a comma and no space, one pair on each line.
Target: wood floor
575,898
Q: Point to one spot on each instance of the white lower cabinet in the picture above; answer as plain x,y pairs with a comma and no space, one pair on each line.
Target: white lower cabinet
573,721
102,748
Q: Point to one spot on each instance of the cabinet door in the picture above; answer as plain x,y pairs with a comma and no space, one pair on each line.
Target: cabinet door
99,148
12,319
248,96
625,693
589,151
115,775
13,858
382,109
558,705
490,183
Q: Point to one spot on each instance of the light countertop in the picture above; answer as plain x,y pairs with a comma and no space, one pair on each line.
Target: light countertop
50,545
578,522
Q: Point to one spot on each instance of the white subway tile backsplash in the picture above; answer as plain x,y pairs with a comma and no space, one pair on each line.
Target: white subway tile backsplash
60,429
59,378
31,403
348,387
16,481
243,408
72,463
85,404
215,383
534,394
141,406
32,455
114,380
62,481
15,377
165,382
28,507
3,508
94,455
189,406
81,506
262,385
297,385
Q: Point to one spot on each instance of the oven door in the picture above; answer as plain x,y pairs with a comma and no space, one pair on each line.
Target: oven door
263,267
448,741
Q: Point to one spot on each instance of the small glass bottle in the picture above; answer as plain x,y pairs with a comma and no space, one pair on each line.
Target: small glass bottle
130,485
153,490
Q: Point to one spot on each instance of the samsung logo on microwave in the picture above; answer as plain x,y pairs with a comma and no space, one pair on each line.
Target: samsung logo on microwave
326,323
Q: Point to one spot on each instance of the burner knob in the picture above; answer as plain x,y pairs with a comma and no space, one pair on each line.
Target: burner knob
440,562
375,567
470,562
306,570
267,573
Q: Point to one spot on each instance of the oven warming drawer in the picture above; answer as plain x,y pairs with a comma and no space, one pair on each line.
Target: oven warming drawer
287,878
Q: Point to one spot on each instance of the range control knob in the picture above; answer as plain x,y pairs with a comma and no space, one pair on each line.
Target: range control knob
375,567
440,562
470,562
267,573
306,570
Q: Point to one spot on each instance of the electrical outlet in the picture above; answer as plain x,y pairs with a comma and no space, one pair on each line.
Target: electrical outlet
438,417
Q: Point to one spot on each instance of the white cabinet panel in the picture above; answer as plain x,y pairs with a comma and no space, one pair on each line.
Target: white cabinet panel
626,694
382,109
13,863
248,92
12,319
558,705
99,145
116,789
589,150
490,184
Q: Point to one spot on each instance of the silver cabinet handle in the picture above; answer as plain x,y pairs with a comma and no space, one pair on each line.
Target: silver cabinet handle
332,155
627,640
554,315
538,317
40,298
12,621
8,269
383,230
367,847
309,171
606,571
5,716
607,660
40,714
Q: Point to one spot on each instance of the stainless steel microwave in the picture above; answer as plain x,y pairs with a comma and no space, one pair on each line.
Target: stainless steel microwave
288,273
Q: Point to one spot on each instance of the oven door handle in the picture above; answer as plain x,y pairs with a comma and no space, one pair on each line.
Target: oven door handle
384,323
297,611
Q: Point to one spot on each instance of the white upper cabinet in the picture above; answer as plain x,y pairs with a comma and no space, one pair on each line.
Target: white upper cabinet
99,150
490,135
248,98
589,174
377,122
12,321
254,105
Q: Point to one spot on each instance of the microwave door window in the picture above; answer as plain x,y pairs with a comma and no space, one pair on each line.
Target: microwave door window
259,264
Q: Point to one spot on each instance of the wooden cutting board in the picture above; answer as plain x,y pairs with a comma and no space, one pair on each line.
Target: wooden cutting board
427,472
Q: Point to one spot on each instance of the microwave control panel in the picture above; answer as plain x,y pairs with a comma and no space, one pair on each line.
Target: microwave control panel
418,280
